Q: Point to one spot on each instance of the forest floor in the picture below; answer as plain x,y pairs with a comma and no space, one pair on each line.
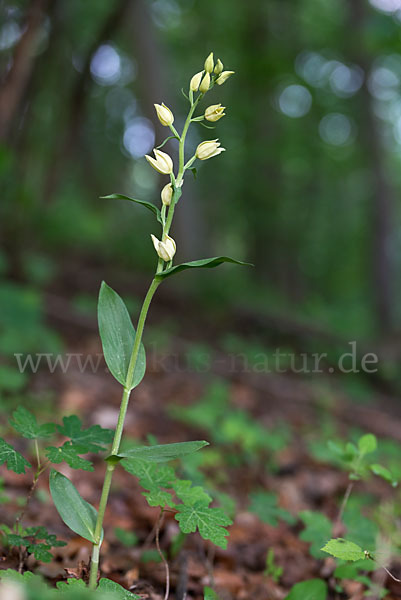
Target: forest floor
296,415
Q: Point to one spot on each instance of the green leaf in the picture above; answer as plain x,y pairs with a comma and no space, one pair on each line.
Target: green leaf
209,594
317,530
69,453
76,513
26,424
147,205
367,444
209,521
93,439
127,538
340,548
205,263
13,459
149,474
264,505
189,494
163,452
313,589
381,471
157,497
351,570
40,552
118,336
16,540
65,586
107,585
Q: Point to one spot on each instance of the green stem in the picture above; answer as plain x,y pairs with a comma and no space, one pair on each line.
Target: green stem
177,183
118,434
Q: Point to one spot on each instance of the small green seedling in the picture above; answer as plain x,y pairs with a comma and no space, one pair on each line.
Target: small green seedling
272,570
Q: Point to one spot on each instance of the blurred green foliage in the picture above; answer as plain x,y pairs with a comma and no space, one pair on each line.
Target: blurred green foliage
308,189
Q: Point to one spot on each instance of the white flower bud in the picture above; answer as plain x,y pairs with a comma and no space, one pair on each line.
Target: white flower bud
162,163
165,249
164,114
205,83
215,112
209,64
219,67
195,81
208,149
223,77
167,194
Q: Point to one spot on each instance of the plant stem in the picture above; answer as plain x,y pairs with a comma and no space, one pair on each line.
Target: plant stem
118,434
134,356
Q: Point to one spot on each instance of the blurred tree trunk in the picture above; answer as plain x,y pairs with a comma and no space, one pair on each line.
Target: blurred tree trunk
17,78
383,195
77,104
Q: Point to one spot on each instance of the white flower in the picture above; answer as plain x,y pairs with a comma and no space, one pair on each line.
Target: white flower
164,114
208,149
166,248
162,163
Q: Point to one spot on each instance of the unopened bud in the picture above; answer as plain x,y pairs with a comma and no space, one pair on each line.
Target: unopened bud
167,194
208,149
215,112
209,64
195,81
205,84
223,77
165,249
164,114
219,67
162,163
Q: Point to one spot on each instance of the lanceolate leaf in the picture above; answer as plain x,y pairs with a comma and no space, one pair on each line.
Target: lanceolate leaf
204,263
209,521
118,336
76,513
164,452
26,424
147,205
13,459
170,137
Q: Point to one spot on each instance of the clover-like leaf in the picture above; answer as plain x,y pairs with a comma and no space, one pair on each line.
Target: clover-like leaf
343,549
190,494
118,336
26,424
154,209
204,263
93,439
150,475
69,453
13,459
209,521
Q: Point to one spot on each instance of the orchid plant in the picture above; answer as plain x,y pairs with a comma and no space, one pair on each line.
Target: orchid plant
125,357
